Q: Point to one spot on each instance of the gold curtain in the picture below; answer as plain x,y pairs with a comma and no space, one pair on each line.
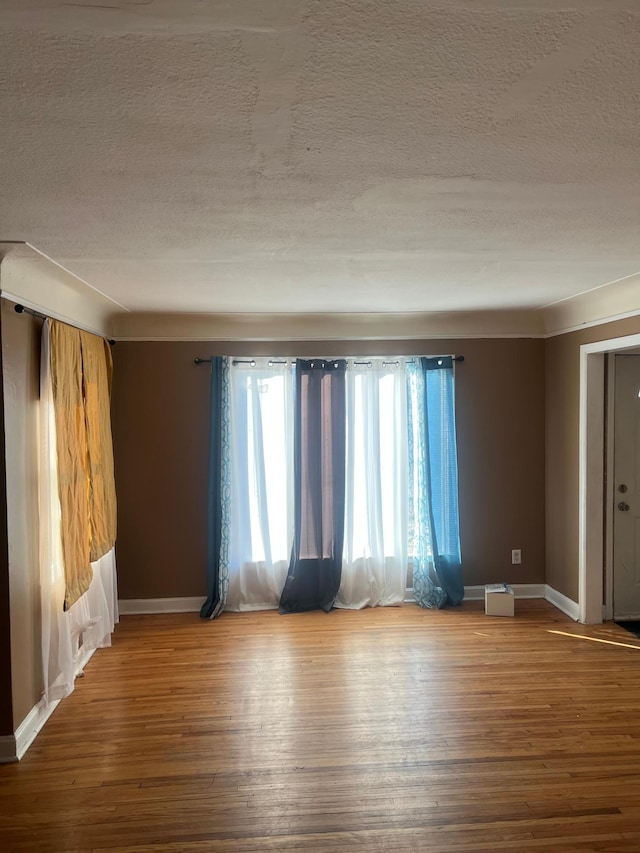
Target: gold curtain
81,380
96,371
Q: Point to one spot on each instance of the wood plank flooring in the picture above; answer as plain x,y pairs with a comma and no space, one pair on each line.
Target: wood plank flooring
392,729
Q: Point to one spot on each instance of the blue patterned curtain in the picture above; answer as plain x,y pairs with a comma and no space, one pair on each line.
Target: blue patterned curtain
219,491
433,483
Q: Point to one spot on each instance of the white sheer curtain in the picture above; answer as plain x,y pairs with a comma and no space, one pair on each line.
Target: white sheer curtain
261,412
374,570
374,567
67,637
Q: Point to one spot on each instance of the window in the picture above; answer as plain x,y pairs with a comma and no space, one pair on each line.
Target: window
386,506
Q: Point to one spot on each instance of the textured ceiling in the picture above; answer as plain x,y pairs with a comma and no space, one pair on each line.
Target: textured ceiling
328,155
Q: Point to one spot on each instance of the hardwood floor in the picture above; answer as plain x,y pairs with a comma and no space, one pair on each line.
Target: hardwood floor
391,729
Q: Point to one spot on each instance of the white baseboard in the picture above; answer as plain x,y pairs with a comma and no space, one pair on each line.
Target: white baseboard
13,747
520,590
136,606
32,724
476,593
567,605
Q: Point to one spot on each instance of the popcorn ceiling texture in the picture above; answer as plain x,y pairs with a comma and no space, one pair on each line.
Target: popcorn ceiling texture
272,155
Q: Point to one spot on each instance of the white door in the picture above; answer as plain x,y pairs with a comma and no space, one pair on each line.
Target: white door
626,510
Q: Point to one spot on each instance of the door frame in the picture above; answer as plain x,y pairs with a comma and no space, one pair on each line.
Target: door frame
609,491
594,541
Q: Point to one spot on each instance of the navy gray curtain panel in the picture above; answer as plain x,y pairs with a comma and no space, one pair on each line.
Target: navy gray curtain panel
315,569
218,497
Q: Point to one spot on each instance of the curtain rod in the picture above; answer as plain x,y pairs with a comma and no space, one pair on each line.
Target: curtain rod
458,358
22,309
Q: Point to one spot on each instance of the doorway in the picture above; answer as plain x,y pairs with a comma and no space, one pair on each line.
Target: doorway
625,495
591,479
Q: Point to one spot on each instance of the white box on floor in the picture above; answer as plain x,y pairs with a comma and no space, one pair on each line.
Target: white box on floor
498,600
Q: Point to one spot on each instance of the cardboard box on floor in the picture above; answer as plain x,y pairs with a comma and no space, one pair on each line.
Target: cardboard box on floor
499,600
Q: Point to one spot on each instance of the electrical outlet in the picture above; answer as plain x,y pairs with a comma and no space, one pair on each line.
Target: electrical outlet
516,557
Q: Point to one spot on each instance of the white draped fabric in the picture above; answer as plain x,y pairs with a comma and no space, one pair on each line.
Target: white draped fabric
374,566
261,451
67,637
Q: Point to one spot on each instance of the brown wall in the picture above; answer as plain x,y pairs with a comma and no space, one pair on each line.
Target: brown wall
160,410
562,433
21,369
6,705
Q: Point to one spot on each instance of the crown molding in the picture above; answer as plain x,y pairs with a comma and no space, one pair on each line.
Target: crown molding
617,300
328,327
31,278
614,301
593,323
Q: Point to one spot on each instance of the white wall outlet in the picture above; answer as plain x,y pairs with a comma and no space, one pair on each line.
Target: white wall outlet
516,557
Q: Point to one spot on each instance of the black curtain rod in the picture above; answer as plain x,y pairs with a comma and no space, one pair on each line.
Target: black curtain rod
22,309
458,358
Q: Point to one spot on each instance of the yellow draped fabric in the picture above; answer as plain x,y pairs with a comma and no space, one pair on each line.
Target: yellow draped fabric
81,380
96,369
